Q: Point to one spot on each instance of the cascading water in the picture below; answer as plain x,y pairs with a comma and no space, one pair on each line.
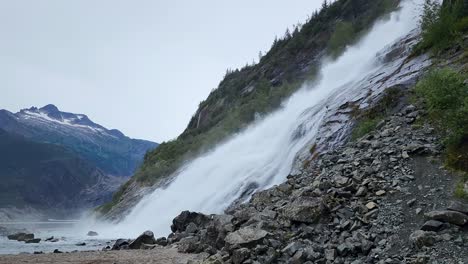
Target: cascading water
263,154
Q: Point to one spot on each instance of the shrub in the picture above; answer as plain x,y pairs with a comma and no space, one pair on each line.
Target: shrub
441,24
446,98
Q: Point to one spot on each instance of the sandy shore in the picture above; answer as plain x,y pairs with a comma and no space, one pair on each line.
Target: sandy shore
154,256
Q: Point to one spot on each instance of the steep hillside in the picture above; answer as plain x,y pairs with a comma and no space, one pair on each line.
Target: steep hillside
248,93
110,150
47,176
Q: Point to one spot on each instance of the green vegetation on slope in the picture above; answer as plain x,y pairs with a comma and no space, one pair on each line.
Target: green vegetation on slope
258,89
368,119
442,25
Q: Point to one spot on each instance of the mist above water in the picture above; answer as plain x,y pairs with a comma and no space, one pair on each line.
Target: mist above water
263,154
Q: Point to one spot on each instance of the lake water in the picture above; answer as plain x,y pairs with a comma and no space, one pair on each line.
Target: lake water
64,230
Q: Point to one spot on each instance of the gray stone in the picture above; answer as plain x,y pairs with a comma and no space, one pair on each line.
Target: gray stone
304,210
452,217
245,235
21,236
188,244
330,254
432,225
422,238
458,207
34,240
92,233
121,244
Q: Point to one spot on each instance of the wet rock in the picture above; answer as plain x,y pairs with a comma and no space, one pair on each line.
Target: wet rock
49,238
33,241
432,225
146,238
422,238
181,221
452,217
56,251
162,241
245,235
80,244
121,244
21,236
92,233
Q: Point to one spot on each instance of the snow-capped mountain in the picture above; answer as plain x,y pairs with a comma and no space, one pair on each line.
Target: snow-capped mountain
109,149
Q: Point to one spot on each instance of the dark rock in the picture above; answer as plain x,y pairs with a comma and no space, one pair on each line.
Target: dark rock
92,233
57,251
181,221
80,244
146,238
21,236
452,217
162,241
49,238
33,241
38,252
239,255
188,244
432,225
458,207
422,238
121,244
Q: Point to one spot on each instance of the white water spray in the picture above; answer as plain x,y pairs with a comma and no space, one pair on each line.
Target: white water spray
264,153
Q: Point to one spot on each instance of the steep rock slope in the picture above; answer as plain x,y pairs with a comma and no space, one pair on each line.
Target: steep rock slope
48,177
110,150
255,90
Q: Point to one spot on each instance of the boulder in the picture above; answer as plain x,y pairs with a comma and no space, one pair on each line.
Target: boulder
162,241
189,244
422,238
181,221
21,236
304,210
121,244
56,251
432,225
92,233
458,207
245,235
146,238
452,217
80,244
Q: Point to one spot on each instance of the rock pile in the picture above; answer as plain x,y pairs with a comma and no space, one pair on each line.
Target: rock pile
337,211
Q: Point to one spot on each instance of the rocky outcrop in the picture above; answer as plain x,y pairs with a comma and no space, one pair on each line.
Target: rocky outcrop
360,203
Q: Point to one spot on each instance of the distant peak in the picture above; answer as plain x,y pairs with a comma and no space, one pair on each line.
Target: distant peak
49,108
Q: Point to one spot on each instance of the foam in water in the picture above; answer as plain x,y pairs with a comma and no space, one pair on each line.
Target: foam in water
263,154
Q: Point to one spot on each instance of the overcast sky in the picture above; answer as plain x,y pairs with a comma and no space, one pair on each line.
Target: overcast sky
141,66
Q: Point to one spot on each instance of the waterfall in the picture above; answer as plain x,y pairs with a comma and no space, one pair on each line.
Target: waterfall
263,154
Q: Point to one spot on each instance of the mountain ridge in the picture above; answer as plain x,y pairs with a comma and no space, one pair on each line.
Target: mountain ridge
109,149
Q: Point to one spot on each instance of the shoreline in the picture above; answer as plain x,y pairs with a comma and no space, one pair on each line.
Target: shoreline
157,255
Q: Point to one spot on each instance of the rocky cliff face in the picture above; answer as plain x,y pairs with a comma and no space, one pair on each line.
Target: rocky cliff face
111,151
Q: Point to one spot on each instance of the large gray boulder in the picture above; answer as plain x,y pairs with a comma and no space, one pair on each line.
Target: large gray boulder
304,210
452,217
245,235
